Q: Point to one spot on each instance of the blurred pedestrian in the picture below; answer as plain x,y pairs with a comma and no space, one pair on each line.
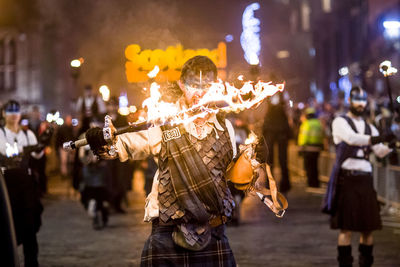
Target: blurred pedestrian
65,133
122,171
90,105
95,196
351,199
310,140
16,148
276,130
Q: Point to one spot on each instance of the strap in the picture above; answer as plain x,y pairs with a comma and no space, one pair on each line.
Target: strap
26,136
350,122
367,128
278,204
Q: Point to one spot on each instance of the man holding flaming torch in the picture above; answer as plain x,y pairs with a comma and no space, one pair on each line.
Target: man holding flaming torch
190,201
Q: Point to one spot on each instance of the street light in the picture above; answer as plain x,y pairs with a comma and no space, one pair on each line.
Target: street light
105,92
76,71
392,28
387,70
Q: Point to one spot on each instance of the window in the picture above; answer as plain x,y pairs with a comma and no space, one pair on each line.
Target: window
8,63
326,6
305,16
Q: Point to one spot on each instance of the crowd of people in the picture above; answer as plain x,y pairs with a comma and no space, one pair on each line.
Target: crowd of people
190,216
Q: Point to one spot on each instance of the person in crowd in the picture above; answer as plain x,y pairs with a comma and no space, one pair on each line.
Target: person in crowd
326,118
17,146
276,130
123,171
351,199
189,204
310,140
95,180
65,133
35,119
90,105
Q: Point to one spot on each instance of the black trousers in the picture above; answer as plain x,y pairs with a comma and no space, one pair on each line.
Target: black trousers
311,167
282,141
26,208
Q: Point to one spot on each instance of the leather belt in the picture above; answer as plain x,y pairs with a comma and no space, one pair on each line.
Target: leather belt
354,173
214,222
217,221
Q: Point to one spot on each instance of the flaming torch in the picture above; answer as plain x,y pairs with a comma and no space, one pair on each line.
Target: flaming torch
220,97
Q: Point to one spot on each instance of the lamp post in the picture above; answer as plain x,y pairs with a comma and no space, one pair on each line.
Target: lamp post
387,70
76,71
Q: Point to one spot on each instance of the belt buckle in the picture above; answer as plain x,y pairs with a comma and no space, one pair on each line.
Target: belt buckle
280,213
171,134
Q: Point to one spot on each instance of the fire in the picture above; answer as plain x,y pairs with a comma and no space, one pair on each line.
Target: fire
153,73
251,139
234,100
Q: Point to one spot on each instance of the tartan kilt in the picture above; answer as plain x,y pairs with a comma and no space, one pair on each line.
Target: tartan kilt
160,250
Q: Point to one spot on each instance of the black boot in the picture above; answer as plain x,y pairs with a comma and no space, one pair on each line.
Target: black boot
365,258
344,256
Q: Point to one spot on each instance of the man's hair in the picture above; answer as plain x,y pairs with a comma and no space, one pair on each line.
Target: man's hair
197,64
12,106
357,90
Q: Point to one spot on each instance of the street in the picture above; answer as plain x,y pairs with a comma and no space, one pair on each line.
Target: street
301,238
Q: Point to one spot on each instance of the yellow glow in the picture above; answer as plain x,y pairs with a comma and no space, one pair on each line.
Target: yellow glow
105,92
132,109
124,111
283,54
169,61
76,63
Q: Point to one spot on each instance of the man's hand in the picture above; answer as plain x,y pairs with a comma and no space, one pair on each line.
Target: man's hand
261,150
382,138
95,138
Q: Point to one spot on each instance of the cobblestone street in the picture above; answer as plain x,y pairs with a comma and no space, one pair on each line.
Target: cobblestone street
301,238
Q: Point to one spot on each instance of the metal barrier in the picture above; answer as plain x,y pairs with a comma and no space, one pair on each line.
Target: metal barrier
386,178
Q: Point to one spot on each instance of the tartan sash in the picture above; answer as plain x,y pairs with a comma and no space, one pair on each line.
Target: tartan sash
193,185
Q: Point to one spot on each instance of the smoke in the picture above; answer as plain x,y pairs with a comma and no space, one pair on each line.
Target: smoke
99,31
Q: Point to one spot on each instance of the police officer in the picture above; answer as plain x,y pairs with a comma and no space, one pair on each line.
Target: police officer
351,199
16,147
310,140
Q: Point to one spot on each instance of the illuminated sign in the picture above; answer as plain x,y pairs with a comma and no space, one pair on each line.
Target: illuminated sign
170,61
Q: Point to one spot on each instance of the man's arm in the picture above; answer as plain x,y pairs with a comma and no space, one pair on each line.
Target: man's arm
380,150
139,145
342,131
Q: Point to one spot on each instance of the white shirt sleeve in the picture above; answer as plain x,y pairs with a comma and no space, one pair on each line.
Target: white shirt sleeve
380,150
139,145
342,132
3,142
231,132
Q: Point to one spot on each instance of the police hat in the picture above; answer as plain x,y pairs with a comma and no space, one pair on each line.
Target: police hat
12,106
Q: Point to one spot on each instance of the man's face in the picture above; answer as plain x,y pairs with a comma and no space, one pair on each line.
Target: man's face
358,104
12,117
195,86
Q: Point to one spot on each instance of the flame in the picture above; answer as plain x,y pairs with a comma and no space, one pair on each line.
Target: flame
251,139
153,73
249,96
